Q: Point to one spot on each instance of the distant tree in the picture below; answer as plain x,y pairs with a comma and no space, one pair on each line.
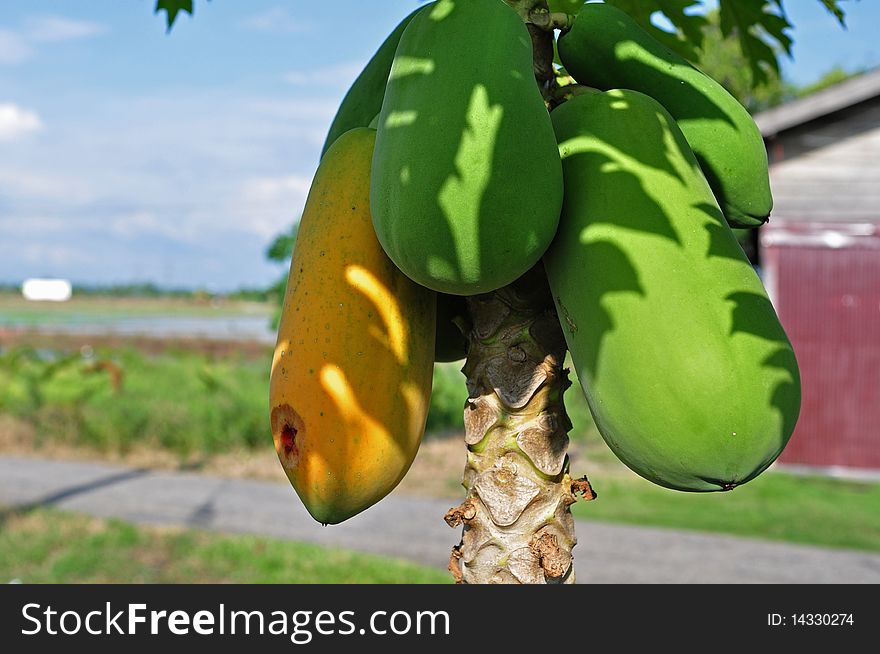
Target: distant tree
834,76
722,59
280,250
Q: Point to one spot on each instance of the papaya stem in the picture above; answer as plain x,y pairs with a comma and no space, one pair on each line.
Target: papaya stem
550,21
561,21
556,95
529,10
516,518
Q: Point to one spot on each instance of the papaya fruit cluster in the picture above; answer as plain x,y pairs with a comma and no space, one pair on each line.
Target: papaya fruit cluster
445,176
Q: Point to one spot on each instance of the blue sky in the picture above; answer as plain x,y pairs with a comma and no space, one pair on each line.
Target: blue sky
130,155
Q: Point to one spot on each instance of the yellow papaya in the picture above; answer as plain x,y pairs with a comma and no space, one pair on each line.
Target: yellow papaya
351,375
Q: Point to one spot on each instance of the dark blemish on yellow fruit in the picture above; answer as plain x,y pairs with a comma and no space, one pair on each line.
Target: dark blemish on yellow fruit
288,431
288,441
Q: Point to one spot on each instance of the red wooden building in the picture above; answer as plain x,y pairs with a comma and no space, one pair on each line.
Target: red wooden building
820,257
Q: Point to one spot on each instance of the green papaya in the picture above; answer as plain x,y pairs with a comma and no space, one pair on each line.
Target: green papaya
450,342
607,49
689,375
363,100
467,183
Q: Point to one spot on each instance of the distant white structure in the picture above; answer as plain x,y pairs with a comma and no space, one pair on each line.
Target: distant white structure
47,290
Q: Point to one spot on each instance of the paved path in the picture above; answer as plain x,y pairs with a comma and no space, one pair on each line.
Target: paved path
411,528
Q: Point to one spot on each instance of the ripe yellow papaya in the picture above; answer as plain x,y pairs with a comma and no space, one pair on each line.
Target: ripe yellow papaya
689,375
351,375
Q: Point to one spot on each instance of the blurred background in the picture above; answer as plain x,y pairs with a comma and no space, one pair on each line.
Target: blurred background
150,188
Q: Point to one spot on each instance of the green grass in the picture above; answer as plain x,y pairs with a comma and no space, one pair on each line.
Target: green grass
182,402
48,546
776,505
190,404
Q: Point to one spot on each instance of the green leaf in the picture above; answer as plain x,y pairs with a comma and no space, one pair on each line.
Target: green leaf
172,8
753,22
281,248
834,8
688,36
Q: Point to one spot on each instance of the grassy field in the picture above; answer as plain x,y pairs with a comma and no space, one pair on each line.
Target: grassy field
180,401
113,401
47,546
197,410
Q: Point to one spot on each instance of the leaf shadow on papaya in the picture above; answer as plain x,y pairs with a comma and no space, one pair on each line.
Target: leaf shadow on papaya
643,214
628,168
626,148
456,135
351,391
719,235
389,332
695,105
787,394
455,175
623,278
749,316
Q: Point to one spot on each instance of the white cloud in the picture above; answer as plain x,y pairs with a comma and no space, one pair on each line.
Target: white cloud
13,48
272,204
18,46
212,187
19,184
52,29
54,254
273,189
138,223
278,21
339,75
16,122
32,226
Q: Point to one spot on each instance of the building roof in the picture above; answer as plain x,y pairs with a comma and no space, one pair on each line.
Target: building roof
825,155
840,96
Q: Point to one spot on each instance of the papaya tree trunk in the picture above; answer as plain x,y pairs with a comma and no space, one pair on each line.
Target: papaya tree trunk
517,523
